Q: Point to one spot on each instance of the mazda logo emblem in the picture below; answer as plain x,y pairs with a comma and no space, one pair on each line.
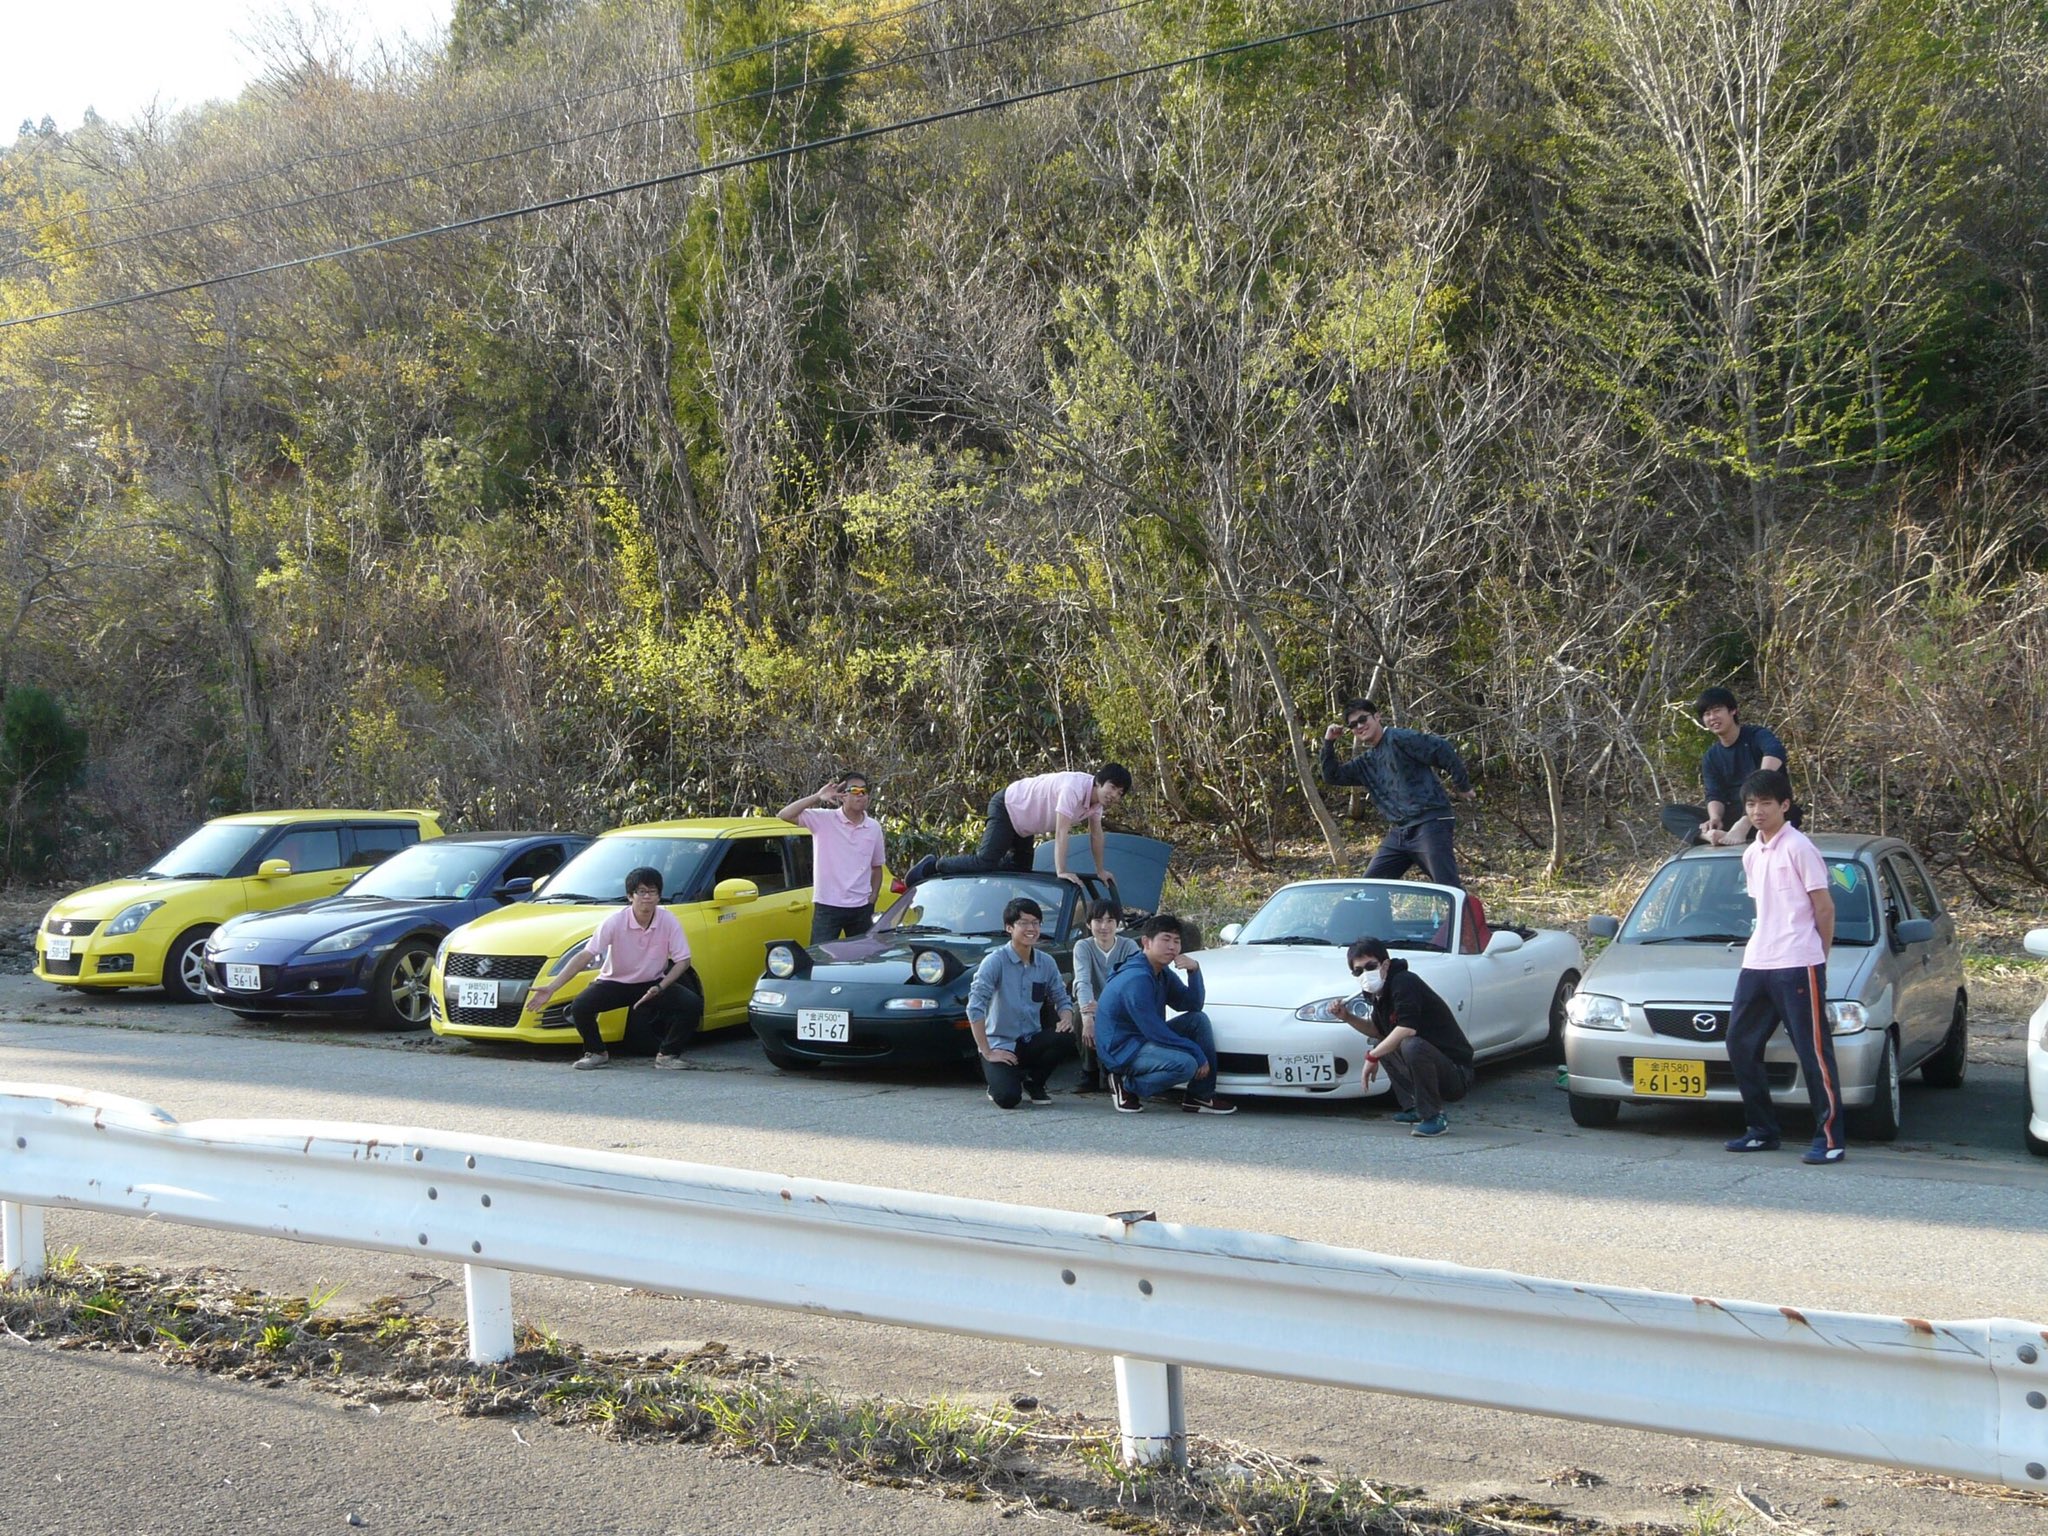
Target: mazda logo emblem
836,991
252,944
1704,1023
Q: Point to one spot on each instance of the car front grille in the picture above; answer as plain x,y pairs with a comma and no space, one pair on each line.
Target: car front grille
77,927
485,1018
1680,1022
62,967
494,967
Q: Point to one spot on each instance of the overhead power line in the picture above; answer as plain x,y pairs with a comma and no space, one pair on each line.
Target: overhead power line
764,93
386,146
740,162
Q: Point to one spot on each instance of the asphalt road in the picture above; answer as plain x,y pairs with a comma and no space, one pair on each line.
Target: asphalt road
1948,1222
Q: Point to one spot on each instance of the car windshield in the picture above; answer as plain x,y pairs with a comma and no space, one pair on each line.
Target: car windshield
1401,916
599,872
1706,901
208,854
429,872
973,904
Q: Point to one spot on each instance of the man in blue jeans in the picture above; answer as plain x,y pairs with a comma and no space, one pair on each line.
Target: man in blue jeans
1145,1052
1007,1001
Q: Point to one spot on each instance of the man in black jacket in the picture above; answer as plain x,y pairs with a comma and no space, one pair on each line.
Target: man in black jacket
1427,1057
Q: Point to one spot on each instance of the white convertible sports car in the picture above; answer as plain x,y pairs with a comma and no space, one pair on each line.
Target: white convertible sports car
1274,982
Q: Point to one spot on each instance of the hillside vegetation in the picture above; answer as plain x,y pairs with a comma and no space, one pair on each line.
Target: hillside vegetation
1526,363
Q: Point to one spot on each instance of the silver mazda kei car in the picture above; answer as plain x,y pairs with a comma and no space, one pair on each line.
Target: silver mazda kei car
1649,1023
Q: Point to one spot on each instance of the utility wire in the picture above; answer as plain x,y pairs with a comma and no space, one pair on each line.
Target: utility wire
639,82
741,162
767,92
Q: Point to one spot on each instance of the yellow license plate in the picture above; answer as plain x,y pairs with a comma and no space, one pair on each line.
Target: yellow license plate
1671,1079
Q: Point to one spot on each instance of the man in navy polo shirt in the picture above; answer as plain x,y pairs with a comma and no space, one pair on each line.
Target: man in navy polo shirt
1738,751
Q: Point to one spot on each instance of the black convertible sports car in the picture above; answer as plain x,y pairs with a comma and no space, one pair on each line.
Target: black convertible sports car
899,993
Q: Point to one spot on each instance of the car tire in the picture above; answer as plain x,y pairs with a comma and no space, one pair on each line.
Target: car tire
185,966
1880,1121
1945,1068
1593,1114
400,997
788,1061
1567,984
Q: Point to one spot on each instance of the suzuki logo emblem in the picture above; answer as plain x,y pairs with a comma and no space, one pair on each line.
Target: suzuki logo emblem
1704,1023
65,929
483,966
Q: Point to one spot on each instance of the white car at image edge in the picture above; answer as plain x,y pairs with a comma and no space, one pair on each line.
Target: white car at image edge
2037,1060
1273,983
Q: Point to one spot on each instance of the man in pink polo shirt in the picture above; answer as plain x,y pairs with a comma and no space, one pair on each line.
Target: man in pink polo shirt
1048,804
847,855
644,955
1784,972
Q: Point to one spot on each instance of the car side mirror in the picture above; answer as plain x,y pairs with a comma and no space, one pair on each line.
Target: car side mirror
271,869
1504,942
2037,942
514,890
1915,930
1602,926
1228,933
734,893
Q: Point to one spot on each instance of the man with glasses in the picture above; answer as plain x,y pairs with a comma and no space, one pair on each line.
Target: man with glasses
847,855
1399,769
1006,1005
1414,1036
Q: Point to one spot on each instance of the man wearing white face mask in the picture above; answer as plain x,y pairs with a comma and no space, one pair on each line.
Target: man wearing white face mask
1414,1036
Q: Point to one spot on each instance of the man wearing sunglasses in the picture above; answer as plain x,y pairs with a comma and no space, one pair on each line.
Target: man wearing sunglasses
1399,769
847,855
1413,1035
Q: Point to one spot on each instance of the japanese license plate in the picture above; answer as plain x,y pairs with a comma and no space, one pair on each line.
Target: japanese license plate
56,948
1662,1079
245,978
1302,1069
829,1024
476,994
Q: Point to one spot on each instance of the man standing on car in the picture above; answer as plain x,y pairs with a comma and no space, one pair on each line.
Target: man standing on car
1145,1052
847,855
1399,769
1784,972
1414,1036
1738,751
644,955
1005,1006
1024,811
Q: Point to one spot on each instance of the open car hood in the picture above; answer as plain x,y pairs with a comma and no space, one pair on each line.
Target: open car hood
1139,864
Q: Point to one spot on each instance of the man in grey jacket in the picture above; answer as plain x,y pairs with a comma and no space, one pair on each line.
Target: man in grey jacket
1399,769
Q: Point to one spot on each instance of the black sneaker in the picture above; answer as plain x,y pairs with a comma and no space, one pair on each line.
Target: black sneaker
1037,1094
1210,1106
1752,1141
1089,1084
1127,1102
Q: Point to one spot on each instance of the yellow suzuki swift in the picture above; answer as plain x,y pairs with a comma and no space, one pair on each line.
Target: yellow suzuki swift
736,884
151,930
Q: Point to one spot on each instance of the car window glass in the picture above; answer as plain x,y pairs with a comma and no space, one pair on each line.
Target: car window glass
373,845
758,859
798,851
1919,894
1417,918
536,862
308,848
1849,884
428,872
211,853
974,903
1702,901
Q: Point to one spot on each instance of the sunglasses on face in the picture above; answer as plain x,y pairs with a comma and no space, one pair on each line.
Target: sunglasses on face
1360,723
855,789
1364,966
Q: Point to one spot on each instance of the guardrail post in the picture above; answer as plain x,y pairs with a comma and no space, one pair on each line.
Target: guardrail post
22,1255
1150,1412
489,1294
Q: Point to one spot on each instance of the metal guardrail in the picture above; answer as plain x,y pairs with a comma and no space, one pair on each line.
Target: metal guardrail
1965,1398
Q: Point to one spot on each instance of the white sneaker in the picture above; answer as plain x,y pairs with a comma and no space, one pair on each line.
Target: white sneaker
591,1060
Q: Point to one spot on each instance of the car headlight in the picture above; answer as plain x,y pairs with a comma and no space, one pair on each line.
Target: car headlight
1848,1018
339,943
929,967
1324,1010
128,919
781,961
555,966
767,997
1590,1010
911,1004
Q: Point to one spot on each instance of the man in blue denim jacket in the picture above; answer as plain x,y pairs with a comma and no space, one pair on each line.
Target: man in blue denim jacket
1005,1004
1144,1051
1399,769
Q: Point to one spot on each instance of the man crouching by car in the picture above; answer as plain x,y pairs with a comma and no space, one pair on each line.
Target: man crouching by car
1005,1004
1427,1057
1145,1052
